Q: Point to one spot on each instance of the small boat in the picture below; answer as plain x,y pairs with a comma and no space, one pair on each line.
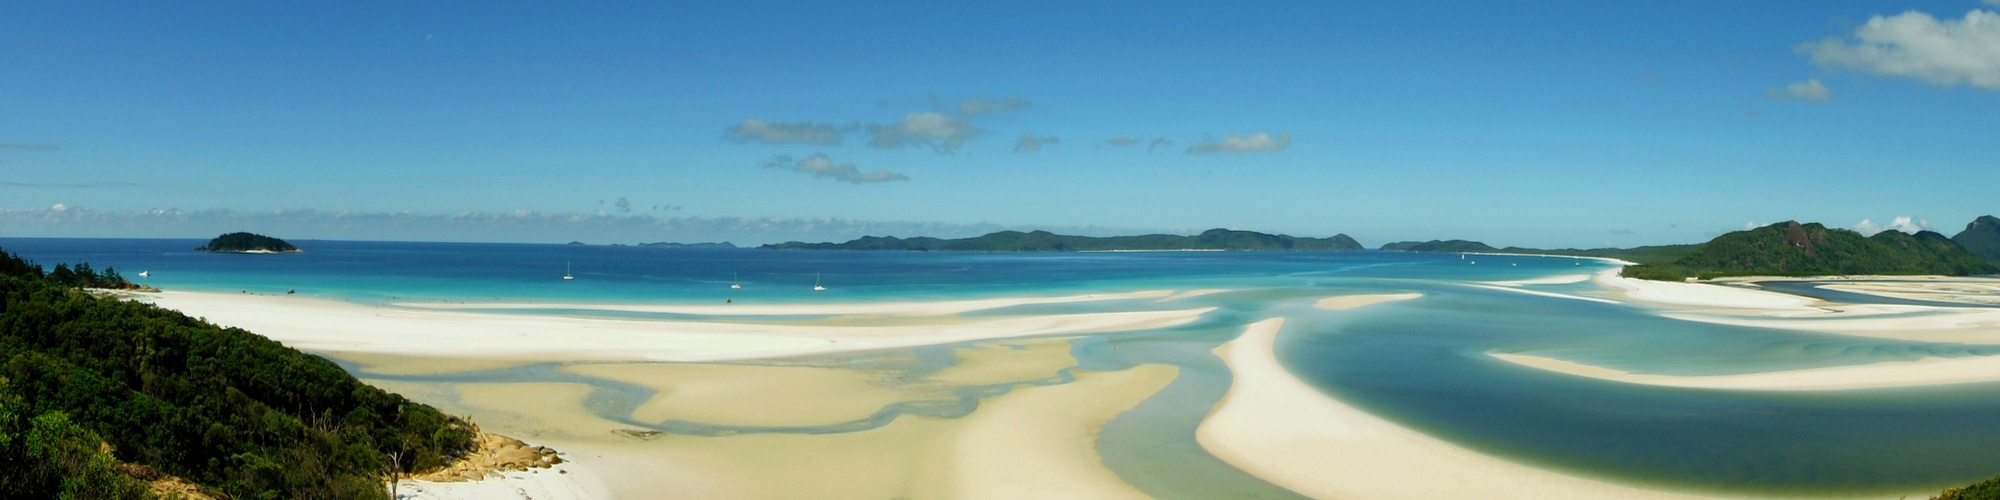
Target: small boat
735,284
143,274
816,286
566,275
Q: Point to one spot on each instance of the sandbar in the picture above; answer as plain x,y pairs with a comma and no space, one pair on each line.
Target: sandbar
1927,371
1345,302
331,326
923,308
1274,426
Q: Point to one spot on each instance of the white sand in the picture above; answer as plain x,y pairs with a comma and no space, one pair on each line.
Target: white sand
1192,293
1279,429
1927,371
565,481
1540,293
1700,294
929,308
1560,279
1346,302
326,325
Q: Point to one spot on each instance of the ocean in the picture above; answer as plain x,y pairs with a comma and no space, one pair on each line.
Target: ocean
1422,363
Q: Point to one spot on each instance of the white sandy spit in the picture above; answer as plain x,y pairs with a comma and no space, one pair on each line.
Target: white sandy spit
1700,294
1345,302
1281,430
928,308
1560,279
333,326
1927,371
565,481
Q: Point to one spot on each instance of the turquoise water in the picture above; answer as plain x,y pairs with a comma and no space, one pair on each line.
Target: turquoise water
1422,363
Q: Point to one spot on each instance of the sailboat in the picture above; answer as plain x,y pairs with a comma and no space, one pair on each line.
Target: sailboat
816,286
566,275
735,284
143,274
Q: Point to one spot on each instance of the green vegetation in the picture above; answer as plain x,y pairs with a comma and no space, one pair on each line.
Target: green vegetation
1982,238
247,243
1044,241
1983,490
93,386
1793,249
1451,246
82,276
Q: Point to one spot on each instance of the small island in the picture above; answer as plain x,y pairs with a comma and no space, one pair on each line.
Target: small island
1044,241
248,243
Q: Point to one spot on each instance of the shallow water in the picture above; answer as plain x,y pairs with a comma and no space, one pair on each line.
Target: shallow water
1420,362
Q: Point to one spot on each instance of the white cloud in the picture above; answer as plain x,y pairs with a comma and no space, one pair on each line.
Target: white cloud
788,132
1029,143
820,166
59,207
1914,44
1243,143
1751,225
1808,91
975,107
941,133
1905,224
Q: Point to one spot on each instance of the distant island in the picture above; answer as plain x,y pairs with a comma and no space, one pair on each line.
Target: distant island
1044,241
1656,253
248,243
719,244
1794,249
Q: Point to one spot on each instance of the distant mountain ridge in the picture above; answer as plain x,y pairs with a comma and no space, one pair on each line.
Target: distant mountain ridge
1982,238
719,244
1793,249
1455,246
1044,241
1655,253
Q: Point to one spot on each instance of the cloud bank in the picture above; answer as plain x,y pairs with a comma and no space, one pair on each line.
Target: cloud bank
1905,224
1243,143
1807,91
820,166
1915,45
788,132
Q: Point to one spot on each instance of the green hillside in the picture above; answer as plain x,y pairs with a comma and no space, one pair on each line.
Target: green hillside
1454,246
1794,249
94,390
1044,241
1982,238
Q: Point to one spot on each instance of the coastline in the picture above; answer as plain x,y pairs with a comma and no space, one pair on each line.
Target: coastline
1924,372
1279,429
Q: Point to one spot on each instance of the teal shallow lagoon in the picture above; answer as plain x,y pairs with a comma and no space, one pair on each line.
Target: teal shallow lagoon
1422,363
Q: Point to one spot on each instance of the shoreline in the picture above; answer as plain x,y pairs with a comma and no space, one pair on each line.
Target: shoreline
1924,372
1275,427
333,326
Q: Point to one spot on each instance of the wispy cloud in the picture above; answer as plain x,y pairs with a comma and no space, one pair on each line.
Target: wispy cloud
1030,143
1905,224
975,107
937,131
1159,142
1915,45
1807,91
79,185
820,166
40,146
1243,143
805,132
623,206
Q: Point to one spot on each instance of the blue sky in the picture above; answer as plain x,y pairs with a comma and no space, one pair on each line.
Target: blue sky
1546,124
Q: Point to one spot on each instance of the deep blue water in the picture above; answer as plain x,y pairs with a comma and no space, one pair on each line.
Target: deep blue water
1421,362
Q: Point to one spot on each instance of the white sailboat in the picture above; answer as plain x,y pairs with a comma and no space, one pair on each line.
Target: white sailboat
734,283
566,275
143,274
816,286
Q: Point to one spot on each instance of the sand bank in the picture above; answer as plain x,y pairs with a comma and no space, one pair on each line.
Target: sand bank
1540,293
1277,428
1034,442
1192,293
566,481
924,308
332,326
1700,294
1927,371
1346,302
1561,279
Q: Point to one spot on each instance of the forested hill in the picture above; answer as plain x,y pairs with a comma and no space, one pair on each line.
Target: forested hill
1794,249
1044,241
1982,238
247,243
1455,246
95,391
1656,253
